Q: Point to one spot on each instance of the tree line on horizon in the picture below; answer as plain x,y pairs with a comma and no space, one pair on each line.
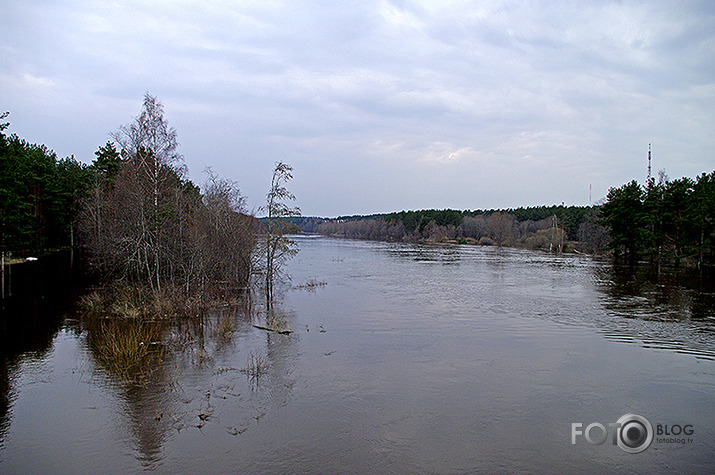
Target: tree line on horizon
665,222
537,227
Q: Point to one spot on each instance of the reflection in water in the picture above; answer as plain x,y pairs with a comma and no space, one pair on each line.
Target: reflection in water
37,296
671,296
131,354
441,253
128,350
5,396
673,310
181,376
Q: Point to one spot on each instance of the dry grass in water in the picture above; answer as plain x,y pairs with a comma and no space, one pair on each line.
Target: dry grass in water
312,284
138,302
126,302
225,327
128,350
256,366
276,321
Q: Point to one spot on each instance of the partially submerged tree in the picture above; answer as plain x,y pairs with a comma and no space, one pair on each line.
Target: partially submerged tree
668,221
593,237
276,246
229,231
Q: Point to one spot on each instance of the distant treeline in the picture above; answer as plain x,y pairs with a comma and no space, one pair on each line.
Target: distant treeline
664,222
141,219
539,227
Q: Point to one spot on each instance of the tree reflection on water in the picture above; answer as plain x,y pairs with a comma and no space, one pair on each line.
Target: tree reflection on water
177,376
662,299
39,293
420,342
639,292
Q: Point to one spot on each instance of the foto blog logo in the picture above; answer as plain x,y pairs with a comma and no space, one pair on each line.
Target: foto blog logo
632,433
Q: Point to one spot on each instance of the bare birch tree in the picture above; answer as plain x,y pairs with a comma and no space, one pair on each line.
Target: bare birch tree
149,149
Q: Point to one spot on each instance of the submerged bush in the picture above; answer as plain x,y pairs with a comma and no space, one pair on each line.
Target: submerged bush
128,349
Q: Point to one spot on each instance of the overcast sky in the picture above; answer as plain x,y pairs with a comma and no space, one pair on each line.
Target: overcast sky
379,105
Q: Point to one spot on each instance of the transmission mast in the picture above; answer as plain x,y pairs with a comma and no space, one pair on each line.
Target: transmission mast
648,164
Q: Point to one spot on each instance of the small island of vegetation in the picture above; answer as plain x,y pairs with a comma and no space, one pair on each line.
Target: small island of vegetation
158,244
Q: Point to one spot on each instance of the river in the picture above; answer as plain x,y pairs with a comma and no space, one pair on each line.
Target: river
402,359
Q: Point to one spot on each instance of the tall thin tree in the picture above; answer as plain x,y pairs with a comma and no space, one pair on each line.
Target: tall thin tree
277,246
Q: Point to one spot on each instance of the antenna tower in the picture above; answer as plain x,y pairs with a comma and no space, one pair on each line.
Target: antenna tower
648,163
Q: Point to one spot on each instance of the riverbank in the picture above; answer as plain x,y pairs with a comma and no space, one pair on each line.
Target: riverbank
555,229
542,243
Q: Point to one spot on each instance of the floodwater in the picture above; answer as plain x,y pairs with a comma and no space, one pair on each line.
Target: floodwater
402,358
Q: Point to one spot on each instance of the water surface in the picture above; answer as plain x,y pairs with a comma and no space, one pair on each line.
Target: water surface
403,358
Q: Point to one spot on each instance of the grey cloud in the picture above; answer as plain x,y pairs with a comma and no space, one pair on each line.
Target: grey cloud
381,104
